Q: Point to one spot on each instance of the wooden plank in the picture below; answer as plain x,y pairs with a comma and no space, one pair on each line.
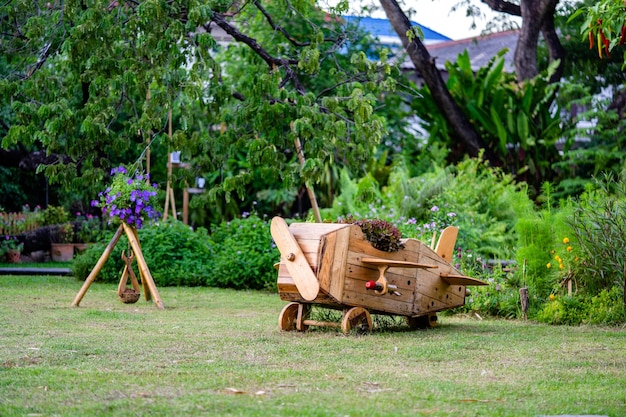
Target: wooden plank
314,230
339,263
461,280
326,256
404,278
377,303
357,286
396,264
297,264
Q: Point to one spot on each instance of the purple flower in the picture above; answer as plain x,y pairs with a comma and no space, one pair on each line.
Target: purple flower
434,209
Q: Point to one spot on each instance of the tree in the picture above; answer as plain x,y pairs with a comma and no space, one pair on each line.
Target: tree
93,81
467,127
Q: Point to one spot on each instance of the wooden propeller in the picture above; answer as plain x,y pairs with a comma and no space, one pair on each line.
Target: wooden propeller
294,259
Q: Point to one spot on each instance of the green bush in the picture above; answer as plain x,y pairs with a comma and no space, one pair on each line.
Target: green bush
607,308
563,310
243,254
175,254
599,230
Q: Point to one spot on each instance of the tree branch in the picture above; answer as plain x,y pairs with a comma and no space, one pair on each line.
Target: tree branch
463,130
272,62
504,7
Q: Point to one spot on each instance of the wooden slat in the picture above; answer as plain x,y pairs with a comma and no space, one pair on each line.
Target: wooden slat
340,263
404,278
326,256
461,280
314,230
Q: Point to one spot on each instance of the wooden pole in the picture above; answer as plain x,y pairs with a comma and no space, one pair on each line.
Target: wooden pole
96,270
309,190
144,281
169,191
186,205
148,96
523,295
143,266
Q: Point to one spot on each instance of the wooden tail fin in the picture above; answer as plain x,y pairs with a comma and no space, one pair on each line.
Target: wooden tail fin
446,242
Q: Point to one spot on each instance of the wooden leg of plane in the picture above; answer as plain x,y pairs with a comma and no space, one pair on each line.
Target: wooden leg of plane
422,322
356,318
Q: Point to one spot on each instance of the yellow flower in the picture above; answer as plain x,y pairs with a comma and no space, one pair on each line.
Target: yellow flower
552,297
561,266
548,265
569,249
557,258
566,240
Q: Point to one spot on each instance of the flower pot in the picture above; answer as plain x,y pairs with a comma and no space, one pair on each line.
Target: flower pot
80,247
62,252
14,256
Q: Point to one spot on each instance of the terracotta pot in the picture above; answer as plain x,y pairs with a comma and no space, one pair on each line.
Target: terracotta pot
80,247
62,252
14,256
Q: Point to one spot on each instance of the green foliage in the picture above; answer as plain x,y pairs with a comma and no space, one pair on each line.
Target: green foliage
606,308
482,201
55,215
380,233
543,249
238,254
518,122
599,229
175,254
10,243
243,254
563,310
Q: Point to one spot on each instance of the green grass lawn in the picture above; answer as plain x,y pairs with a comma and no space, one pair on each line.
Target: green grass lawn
215,352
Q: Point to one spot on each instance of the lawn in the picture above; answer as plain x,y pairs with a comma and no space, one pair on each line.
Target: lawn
219,352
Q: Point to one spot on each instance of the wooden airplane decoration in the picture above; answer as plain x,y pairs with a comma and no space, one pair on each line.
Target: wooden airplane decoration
333,265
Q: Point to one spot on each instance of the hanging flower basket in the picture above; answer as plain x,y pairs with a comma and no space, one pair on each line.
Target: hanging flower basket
129,296
129,199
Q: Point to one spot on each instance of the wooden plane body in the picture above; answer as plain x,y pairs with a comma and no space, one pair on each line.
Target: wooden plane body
417,281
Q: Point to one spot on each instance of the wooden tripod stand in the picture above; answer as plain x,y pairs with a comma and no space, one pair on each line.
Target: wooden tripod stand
150,288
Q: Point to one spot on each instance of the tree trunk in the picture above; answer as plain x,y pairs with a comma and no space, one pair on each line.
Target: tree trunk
555,49
534,14
425,65
537,16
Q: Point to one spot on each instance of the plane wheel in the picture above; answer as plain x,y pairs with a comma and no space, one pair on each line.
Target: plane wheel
422,322
356,318
288,318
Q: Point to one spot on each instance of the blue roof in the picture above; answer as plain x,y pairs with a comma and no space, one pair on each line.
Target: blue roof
382,27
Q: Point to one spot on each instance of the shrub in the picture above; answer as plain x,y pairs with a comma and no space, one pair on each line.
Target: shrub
599,228
55,215
563,310
607,308
175,254
243,254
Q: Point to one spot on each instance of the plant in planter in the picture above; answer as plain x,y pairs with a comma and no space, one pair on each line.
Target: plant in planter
89,227
129,199
380,233
62,247
11,248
